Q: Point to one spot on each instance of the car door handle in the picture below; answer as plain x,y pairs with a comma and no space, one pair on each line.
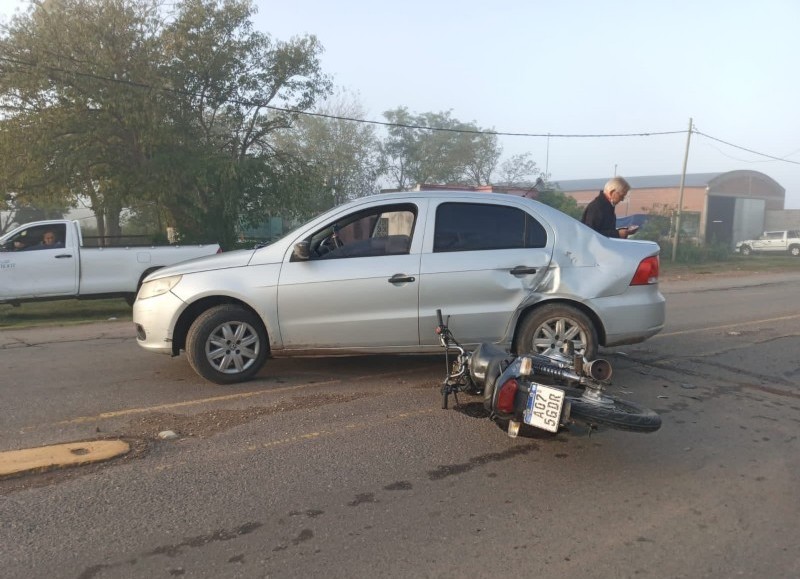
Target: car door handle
522,270
63,255
401,278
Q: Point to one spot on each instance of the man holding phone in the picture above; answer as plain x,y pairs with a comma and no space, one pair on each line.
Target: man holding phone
599,213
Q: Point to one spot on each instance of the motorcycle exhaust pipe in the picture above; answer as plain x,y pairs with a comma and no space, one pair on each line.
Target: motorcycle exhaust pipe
599,369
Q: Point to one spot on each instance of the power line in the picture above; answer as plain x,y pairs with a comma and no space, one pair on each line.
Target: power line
475,131
254,103
746,149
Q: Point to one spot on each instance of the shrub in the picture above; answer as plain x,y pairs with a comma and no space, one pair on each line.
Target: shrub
693,253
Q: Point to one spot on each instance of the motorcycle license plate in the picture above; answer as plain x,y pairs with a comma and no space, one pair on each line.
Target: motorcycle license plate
543,409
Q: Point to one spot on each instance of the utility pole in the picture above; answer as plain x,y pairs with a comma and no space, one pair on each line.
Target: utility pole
680,201
547,160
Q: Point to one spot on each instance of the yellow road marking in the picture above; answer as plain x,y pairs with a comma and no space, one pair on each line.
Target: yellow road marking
146,409
238,396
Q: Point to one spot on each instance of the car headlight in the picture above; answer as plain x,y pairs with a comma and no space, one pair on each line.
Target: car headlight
157,287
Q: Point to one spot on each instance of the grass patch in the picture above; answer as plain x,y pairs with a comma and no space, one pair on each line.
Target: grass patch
62,312
731,265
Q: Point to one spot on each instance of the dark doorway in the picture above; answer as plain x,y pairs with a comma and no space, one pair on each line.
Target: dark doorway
719,219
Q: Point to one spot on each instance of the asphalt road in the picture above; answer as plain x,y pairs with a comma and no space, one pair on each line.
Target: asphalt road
348,467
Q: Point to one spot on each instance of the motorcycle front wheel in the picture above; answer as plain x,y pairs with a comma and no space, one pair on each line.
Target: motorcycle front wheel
615,413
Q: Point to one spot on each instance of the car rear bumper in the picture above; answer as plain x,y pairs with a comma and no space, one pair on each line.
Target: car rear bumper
632,317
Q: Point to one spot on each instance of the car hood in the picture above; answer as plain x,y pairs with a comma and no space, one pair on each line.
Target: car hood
239,258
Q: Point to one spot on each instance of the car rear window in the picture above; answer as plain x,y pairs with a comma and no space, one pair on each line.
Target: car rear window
482,226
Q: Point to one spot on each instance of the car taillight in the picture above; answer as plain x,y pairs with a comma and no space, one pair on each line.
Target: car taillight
647,272
505,397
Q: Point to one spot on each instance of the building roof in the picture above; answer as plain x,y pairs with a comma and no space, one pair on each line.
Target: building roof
646,182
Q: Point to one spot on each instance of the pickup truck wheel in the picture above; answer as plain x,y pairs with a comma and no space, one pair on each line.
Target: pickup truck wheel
227,344
794,250
549,329
746,250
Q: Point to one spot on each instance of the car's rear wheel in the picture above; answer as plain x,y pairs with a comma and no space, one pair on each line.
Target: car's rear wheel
227,344
794,250
746,250
557,329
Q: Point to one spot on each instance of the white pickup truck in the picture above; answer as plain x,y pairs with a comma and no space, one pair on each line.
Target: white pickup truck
47,260
786,241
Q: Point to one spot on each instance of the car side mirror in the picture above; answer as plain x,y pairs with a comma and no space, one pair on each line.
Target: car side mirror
301,251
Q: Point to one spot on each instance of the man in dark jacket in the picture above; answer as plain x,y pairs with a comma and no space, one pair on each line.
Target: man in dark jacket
599,213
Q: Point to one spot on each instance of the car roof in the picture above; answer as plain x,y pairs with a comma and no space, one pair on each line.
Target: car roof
470,195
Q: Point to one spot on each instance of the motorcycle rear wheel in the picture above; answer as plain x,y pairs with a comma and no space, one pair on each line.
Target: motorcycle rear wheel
619,414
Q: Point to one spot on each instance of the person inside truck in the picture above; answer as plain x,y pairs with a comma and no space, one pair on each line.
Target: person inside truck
50,240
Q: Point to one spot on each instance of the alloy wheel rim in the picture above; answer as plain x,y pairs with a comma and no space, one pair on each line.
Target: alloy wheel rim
232,347
554,336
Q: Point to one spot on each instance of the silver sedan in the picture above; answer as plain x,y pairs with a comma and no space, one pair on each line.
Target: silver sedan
368,277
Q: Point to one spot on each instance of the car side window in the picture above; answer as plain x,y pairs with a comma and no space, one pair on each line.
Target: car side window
483,226
38,237
374,232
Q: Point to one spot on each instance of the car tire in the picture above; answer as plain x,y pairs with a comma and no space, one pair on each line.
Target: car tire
548,328
227,344
746,250
794,250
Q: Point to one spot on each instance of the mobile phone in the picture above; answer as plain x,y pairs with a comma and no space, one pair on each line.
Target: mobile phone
633,229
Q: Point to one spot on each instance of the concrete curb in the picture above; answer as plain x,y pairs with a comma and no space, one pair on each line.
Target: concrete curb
59,455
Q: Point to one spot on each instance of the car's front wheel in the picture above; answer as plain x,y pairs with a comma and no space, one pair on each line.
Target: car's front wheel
227,344
746,250
557,329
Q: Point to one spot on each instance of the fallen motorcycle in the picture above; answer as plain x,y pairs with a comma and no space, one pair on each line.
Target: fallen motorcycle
514,392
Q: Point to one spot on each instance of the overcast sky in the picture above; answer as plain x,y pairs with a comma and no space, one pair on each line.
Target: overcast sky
576,67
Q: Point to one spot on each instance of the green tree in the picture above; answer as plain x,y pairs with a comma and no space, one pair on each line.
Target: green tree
120,103
13,214
237,86
455,152
68,133
341,157
479,153
560,201
518,171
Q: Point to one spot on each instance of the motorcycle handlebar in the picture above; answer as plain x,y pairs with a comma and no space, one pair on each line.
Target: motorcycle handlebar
439,317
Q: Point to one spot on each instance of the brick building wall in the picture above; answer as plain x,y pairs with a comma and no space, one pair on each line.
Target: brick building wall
651,200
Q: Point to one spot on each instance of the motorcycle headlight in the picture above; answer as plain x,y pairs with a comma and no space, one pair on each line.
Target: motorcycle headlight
525,366
157,287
